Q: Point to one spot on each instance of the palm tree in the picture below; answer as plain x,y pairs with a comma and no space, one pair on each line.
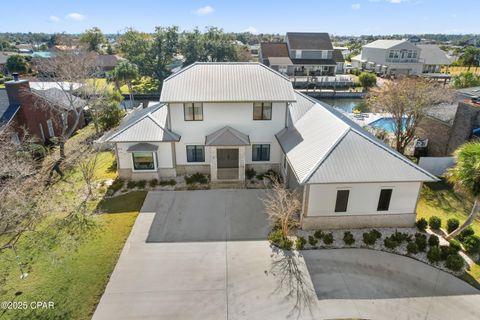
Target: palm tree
465,176
126,72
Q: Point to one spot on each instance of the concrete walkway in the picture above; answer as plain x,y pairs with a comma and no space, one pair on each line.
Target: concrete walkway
247,280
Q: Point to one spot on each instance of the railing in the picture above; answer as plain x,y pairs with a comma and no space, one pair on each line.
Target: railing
402,60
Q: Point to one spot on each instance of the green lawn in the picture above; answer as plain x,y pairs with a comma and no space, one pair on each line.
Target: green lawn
438,199
73,277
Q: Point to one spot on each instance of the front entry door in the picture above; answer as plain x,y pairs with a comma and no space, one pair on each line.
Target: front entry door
227,158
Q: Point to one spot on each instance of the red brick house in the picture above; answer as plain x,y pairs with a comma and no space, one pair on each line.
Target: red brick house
24,108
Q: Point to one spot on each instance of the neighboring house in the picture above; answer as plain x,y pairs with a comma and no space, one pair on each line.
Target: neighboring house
391,57
449,126
23,108
107,62
433,58
221,119
303,54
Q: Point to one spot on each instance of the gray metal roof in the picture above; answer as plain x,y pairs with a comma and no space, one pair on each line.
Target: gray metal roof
323,132
297,109
142,147
226,81
227,136
432,54
145,125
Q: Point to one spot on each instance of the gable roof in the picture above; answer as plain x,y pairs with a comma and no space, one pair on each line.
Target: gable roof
337,55
309,41
272,49
432,54
344,153
227,82
145,125
386,43
227,136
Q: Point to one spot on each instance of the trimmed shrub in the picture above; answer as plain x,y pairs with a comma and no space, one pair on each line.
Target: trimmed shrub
170,182
312,241
421,224
348,238
454,243
196,178
468,231
153,183
300,243
421,241
412,248
141,184
452,224
401,237
369,239
390,243
250,173
131,184
433,254
435,222
328,238
472,244
445,251
318,234
455,262
433,240
277,239
376,233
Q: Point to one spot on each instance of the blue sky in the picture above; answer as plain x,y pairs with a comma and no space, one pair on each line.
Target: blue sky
339,17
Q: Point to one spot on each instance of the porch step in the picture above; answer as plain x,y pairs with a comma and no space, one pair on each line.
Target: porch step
227,184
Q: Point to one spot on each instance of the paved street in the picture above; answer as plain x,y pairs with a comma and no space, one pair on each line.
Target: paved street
182,275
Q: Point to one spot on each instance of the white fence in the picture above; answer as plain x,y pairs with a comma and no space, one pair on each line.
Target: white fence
436,165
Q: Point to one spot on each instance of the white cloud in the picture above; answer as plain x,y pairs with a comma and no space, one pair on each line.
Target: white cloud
251,29
54,19
75,16
355,6
204,11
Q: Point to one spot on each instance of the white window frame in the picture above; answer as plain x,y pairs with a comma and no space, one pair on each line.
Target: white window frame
51,130
41,132
155,165
298,54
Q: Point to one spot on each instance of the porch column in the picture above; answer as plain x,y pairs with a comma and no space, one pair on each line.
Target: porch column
241,163
213,163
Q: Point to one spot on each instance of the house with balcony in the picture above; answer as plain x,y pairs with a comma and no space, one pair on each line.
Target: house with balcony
390,57
221,119
303,54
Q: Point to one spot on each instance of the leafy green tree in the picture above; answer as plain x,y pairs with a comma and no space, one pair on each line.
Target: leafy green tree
192,48
466,80
110,116
471,57
219,46
93,38
126,72
134,46
367,80
17,63
162,51
465,176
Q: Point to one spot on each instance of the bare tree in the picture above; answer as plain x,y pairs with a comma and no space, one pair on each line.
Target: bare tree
68,71
87,169
407,101
282,205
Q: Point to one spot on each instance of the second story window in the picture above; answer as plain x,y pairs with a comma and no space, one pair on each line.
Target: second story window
262,111
193,111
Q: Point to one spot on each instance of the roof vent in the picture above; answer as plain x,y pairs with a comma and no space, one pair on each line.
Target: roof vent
15,76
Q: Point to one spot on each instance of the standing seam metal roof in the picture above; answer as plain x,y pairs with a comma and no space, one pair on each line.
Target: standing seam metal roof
324,146
227,136
227,81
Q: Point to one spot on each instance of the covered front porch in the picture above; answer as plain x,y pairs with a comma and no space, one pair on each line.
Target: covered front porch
227,154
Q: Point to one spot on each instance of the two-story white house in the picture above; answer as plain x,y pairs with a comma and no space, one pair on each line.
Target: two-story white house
221,119
394,57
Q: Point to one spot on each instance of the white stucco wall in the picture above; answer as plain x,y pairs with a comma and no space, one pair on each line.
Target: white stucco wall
164,155
237,115
363,198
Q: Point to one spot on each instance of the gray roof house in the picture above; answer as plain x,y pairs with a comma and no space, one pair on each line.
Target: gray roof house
303,53
221,119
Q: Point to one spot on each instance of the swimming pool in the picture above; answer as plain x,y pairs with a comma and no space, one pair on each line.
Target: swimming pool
42,54
386,124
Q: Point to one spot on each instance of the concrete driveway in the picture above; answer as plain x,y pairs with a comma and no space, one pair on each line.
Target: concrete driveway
247,280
